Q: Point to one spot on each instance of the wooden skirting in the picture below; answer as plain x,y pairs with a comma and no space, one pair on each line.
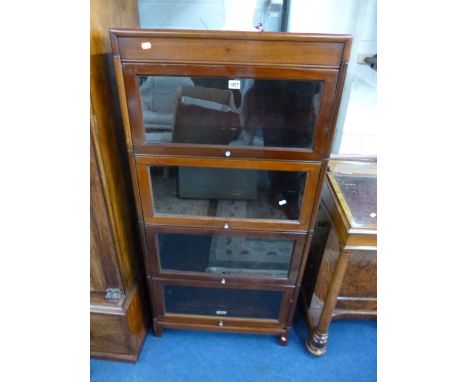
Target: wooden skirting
118,331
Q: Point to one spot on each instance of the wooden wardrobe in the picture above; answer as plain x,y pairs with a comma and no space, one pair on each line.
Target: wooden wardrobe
118,314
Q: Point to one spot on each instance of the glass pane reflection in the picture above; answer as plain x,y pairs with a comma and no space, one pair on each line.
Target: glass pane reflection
230,112
222,302
234,193
230,255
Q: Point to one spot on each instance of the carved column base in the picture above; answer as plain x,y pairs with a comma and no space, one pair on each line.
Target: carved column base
317,343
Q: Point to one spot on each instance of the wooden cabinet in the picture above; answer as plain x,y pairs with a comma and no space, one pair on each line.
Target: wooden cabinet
340,280
104,267
117,313
228,136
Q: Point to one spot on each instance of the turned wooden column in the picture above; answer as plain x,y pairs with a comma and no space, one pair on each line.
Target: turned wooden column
317,341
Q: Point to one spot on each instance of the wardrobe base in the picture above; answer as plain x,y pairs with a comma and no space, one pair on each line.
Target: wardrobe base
118,331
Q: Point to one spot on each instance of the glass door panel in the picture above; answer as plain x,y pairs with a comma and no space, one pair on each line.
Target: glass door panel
236,112
227,192
218,302
226,254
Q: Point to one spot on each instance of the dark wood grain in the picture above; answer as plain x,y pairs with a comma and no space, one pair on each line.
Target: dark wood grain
104,267
117,327
317,247
109,135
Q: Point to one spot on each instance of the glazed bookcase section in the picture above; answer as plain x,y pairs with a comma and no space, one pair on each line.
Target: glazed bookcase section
228,136
211,303
249,89
227,193
224,257
230,112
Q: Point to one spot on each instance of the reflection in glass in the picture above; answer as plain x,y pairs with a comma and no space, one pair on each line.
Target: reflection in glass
234,193
230,112
360,193
230,255
222,302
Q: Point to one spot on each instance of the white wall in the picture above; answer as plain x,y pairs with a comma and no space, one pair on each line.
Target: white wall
182,14
356,131
357,122
200,14
322,16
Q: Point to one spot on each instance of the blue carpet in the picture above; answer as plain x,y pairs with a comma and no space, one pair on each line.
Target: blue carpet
186,355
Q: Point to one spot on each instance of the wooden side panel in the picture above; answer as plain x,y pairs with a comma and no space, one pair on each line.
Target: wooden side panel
104,268
360,279
359,288
109,334
361,275
137,322
317,247
106,14
327,266
337,217
119,333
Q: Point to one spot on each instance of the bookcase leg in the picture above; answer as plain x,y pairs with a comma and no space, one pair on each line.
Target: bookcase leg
158,330
283,339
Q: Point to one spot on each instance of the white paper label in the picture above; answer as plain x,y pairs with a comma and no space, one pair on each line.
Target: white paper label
146,45
221,312
234,84
282,202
